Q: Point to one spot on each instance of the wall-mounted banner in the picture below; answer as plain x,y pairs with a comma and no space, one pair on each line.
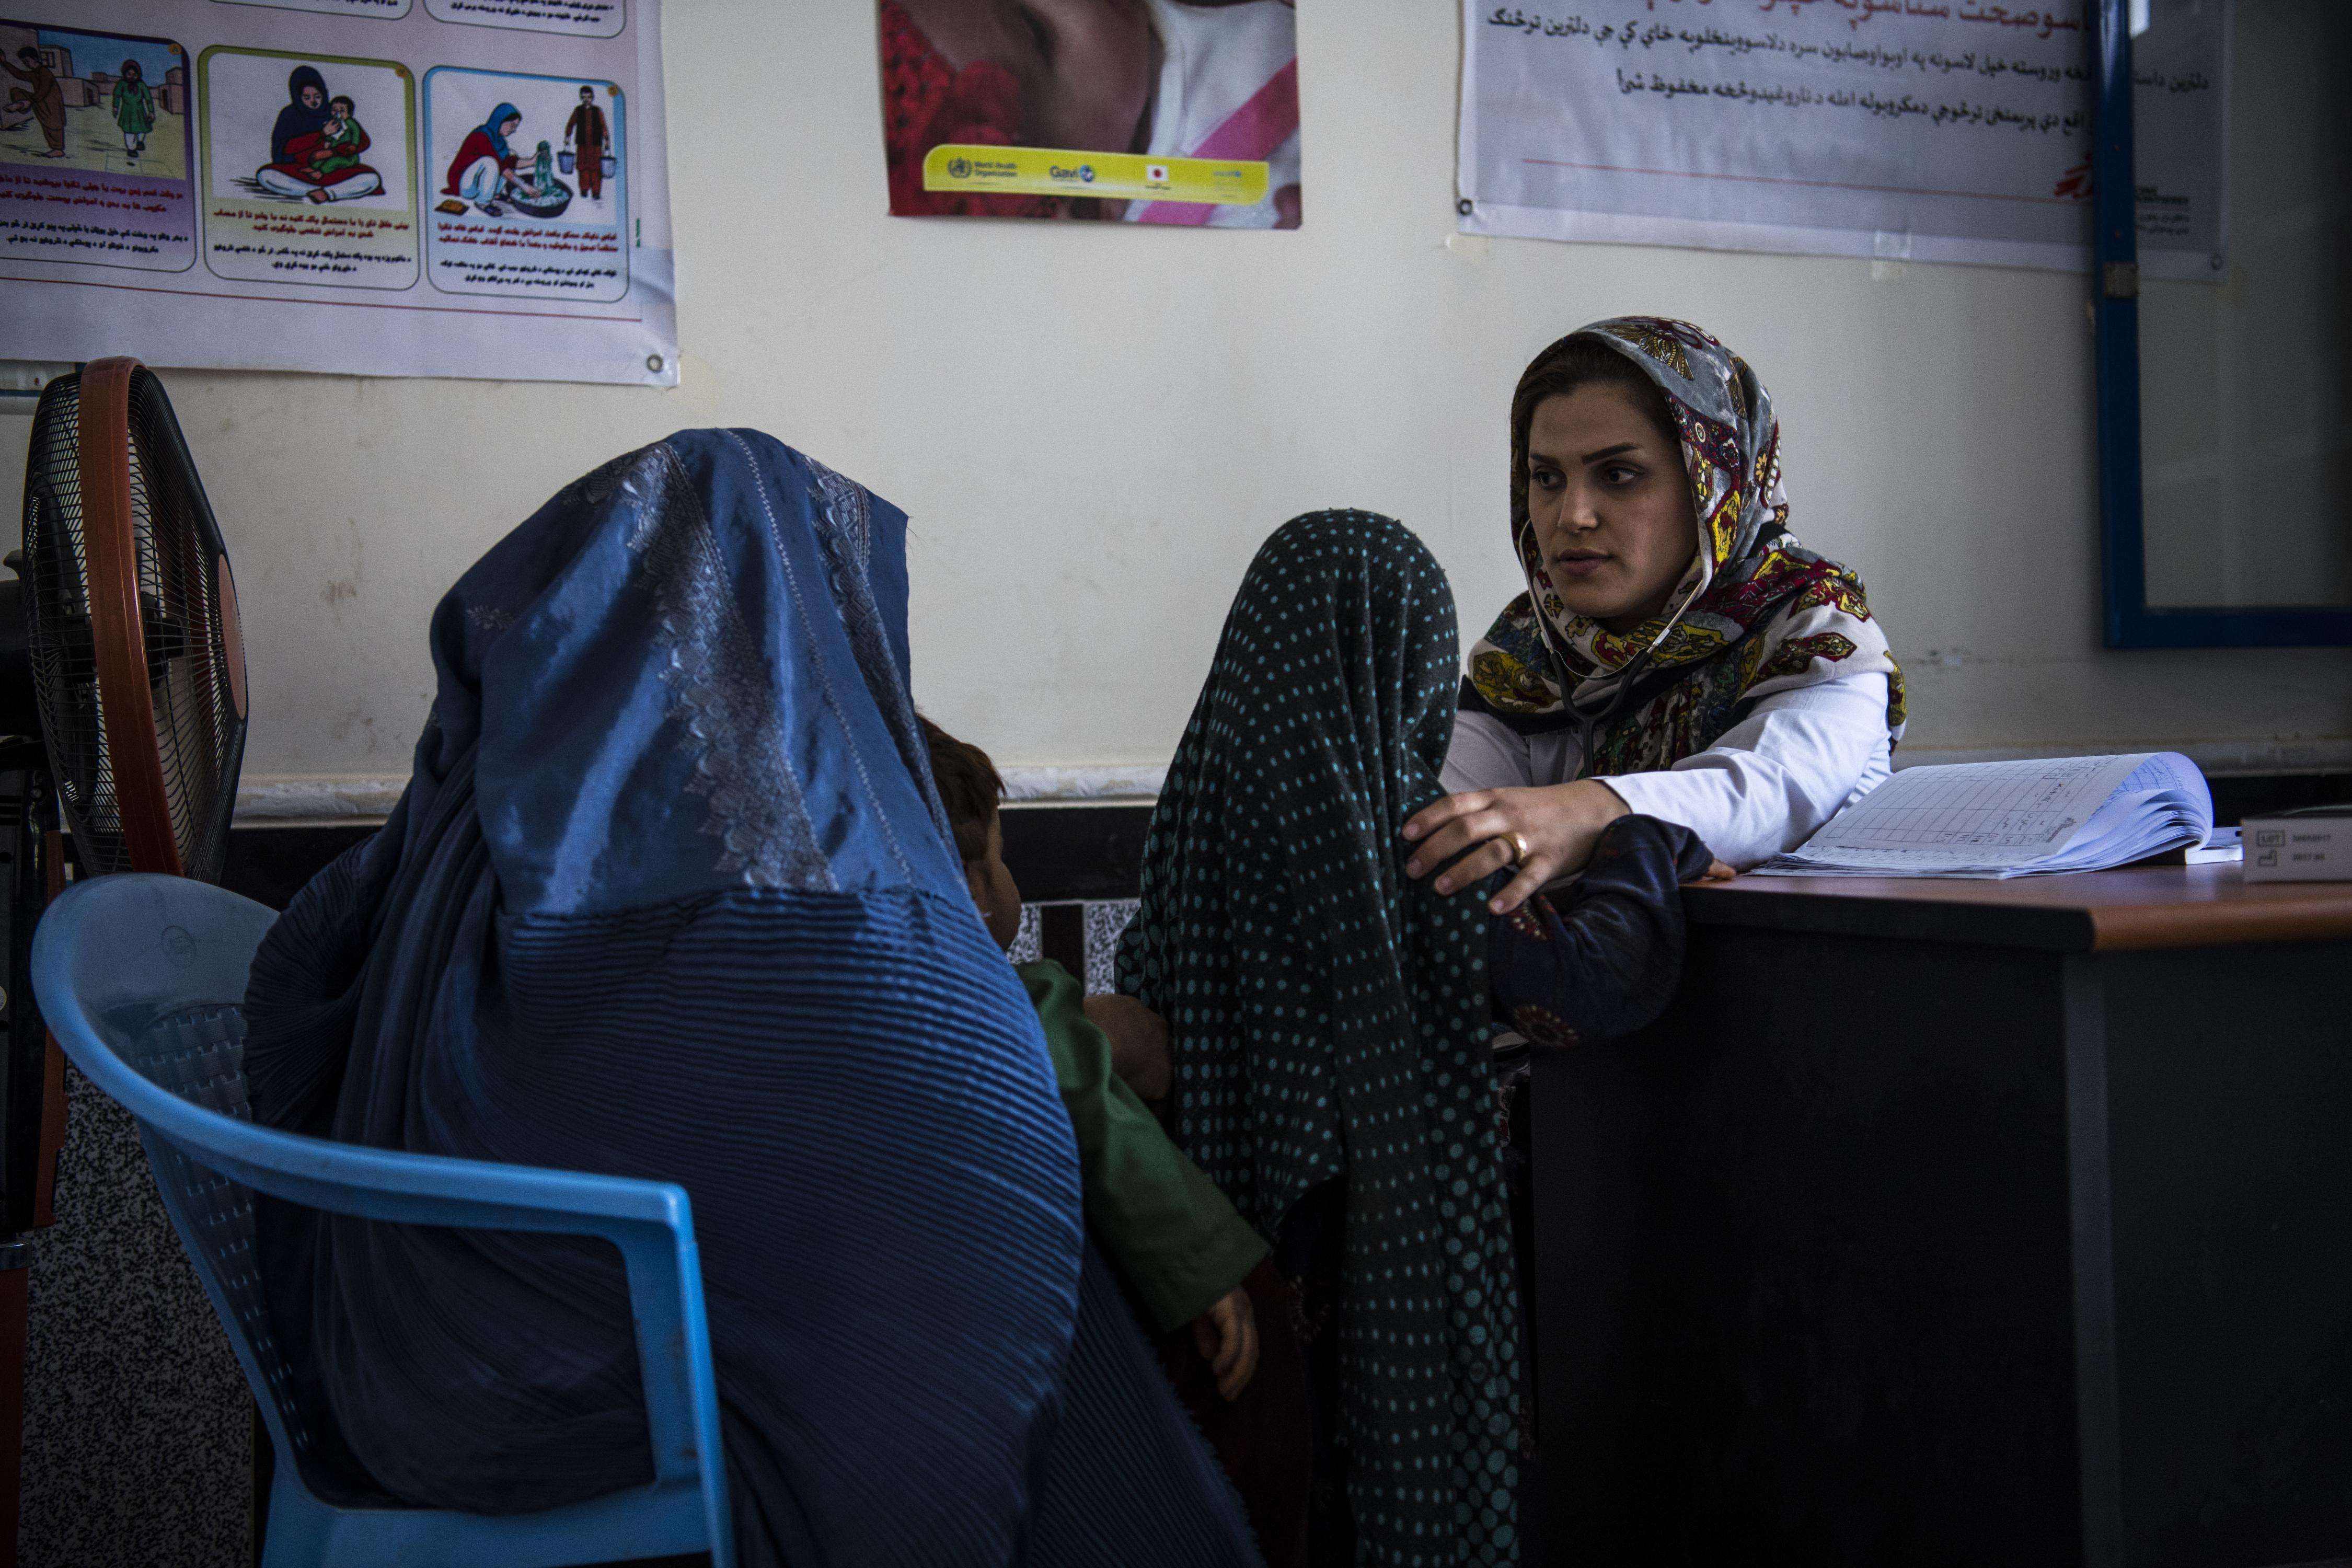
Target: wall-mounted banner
1923,130
374,187
1150,111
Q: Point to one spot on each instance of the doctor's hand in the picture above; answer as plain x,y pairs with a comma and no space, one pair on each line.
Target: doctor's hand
1227,1336
1556,823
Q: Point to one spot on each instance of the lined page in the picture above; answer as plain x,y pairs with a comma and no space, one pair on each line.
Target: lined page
1969,817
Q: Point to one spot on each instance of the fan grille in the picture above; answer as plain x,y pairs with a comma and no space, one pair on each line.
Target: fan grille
199,736
65,666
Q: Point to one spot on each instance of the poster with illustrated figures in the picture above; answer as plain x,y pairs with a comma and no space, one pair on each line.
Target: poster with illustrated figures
94,150
376,187
306,177
529,198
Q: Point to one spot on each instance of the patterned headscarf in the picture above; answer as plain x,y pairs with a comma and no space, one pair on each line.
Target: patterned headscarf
1329,1015
1757,612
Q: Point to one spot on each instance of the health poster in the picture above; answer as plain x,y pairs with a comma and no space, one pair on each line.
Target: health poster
1148,112
556,232
94,156
1913,130
288,198
374,187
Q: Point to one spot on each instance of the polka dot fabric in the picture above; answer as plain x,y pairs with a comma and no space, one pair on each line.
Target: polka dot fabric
1329,1016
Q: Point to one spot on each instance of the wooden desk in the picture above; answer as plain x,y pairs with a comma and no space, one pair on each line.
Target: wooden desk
1969,1223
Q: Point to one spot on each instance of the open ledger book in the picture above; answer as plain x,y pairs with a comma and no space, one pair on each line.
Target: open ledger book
2011,819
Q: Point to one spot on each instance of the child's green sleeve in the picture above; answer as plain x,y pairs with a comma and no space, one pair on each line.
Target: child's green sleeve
1171,1234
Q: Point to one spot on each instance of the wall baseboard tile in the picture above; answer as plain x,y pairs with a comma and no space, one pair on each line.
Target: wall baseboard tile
321,800
318,800
329,800
1121,782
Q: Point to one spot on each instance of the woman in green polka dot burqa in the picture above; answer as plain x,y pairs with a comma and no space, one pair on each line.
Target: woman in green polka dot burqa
1330,1017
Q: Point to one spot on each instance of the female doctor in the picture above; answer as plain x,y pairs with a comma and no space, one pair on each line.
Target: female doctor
1677,653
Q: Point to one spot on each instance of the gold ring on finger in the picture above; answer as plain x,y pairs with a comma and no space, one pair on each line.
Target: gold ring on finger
1518,842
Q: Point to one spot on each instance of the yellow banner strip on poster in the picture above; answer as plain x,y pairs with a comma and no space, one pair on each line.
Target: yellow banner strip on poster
1117,176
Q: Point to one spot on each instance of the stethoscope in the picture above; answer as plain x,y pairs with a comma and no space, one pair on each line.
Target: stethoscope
1588,724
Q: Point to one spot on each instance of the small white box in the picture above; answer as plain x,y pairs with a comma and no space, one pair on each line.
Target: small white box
2312,845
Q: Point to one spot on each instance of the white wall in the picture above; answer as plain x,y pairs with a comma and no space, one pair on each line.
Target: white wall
1093,426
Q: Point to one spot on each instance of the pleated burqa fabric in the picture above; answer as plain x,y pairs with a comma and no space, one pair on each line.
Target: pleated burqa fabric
670,896
1328,1014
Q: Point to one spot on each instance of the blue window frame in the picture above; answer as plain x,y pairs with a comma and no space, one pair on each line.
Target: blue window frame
2131,622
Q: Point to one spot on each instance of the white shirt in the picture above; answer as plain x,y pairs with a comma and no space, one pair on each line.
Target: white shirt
1799,758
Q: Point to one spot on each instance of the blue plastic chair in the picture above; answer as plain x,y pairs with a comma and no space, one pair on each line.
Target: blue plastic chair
143,981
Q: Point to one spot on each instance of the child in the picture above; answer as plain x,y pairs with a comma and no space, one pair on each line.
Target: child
1186,1256
543,172
340,142
1167,1231
134,109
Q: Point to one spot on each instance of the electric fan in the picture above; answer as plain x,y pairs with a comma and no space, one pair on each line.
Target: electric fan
122,694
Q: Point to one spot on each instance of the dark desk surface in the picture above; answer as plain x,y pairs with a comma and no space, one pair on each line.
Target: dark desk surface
2137,906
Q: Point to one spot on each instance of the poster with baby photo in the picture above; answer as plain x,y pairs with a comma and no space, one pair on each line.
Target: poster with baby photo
528,188
306,168
1161,112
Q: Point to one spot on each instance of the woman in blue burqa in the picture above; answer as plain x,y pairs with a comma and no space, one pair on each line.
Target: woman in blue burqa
670,896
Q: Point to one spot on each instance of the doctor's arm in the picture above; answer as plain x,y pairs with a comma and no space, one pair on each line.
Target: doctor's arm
1774,778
